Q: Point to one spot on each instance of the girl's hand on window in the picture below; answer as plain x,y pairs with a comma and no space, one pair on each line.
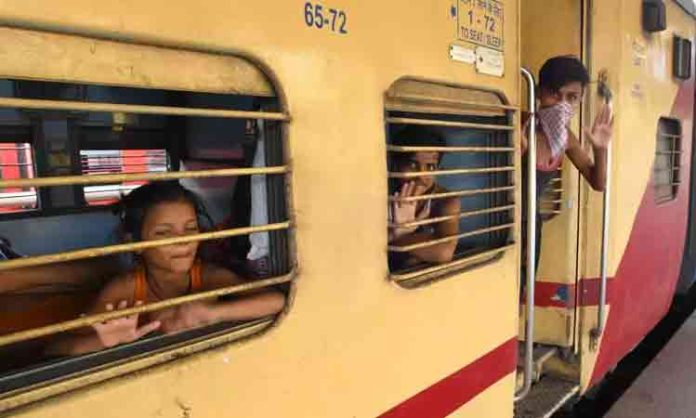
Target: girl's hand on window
190,315
124,329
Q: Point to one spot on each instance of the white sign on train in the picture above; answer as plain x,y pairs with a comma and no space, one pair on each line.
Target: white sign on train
481,22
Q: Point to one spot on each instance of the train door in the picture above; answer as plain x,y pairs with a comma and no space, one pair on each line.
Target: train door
545,33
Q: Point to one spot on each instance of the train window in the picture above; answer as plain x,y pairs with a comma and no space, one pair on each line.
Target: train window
681,58
99,132
451,169
17,162
667,166
94,162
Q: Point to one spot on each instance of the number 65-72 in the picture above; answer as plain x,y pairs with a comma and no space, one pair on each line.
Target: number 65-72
315,17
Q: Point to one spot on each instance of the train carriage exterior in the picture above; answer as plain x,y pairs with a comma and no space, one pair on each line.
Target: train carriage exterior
97,98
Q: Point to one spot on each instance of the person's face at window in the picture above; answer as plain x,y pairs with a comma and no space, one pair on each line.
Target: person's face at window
571,93
169,220
421,162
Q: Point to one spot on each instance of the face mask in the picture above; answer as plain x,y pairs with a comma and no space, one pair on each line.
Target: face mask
554,121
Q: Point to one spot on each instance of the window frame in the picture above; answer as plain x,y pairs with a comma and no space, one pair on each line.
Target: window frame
479,102
674,165
263,84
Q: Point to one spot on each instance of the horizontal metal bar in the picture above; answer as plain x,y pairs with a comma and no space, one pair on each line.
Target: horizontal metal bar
32,393
12,195
451,265
123,177
556,201
10,102
556,190
431,243
483,170
397,148
551,212
448,218
447,195
668,152
451,124
10,200
3,165
668,135
134,246
663,169
150,307
451,102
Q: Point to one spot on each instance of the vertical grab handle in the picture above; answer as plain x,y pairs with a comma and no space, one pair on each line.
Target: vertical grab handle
605,92
531,238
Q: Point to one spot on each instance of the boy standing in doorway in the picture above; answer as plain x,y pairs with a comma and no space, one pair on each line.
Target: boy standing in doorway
562,84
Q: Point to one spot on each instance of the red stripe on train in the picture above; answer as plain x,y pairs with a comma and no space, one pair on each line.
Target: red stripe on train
450,393
647,275
561,295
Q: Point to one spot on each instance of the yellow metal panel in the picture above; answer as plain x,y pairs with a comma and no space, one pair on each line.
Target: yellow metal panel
40,55
640,73
488,403
353,344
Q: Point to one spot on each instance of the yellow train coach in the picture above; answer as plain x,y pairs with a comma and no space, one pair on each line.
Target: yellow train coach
319,208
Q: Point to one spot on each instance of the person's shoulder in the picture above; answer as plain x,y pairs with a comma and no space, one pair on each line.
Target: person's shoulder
120,287
438,189
215,276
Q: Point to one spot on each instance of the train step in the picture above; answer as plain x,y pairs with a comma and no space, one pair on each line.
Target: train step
542,354
547,396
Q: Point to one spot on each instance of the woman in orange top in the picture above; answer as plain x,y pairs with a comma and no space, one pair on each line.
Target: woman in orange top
157,211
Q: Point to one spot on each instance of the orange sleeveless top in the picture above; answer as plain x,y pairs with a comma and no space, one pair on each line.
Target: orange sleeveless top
141,281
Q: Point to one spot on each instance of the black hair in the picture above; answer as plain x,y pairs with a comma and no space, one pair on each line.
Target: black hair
559,71
414,136
133,208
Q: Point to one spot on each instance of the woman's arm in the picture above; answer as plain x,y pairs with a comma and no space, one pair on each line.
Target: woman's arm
253,305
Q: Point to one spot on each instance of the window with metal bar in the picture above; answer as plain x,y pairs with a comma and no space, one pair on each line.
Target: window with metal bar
451,170
104,141
667,165
17,162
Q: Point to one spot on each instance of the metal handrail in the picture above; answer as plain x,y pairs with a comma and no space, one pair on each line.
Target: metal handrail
531,239
604,92
597,332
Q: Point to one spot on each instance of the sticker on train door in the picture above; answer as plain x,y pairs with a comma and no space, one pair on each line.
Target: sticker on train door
490,62
480,22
